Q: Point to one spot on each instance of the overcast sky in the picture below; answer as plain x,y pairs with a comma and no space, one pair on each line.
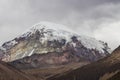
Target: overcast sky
95,18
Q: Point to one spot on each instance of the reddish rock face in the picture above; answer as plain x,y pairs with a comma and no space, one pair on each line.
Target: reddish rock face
51,59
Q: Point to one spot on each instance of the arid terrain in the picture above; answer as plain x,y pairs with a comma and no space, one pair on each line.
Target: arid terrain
104,69
8,72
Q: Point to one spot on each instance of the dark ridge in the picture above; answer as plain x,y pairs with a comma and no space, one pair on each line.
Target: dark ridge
8,72
95,70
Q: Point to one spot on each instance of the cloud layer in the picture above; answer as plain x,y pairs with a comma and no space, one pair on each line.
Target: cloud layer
96,18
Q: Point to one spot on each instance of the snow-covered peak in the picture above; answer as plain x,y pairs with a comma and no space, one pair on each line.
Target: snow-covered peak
46,37
60,32
50,25
47,27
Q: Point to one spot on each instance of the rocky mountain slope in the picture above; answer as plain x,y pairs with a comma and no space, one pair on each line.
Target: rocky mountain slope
8,72
105,69
48,44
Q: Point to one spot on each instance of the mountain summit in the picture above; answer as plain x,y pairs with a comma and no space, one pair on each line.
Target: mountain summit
55,43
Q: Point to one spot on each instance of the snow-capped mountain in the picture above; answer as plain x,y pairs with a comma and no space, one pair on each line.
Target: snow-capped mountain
48,38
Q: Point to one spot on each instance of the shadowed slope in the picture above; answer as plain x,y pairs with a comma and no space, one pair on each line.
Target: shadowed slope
7,72
94,71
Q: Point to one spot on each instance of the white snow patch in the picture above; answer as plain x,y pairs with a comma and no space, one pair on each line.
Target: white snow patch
74,44
1,48
11,43
92,43
31,52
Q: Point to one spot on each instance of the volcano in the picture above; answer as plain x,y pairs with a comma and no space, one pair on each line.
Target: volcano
47,43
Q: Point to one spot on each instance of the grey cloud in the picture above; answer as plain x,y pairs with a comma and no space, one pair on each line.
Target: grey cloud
83,16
